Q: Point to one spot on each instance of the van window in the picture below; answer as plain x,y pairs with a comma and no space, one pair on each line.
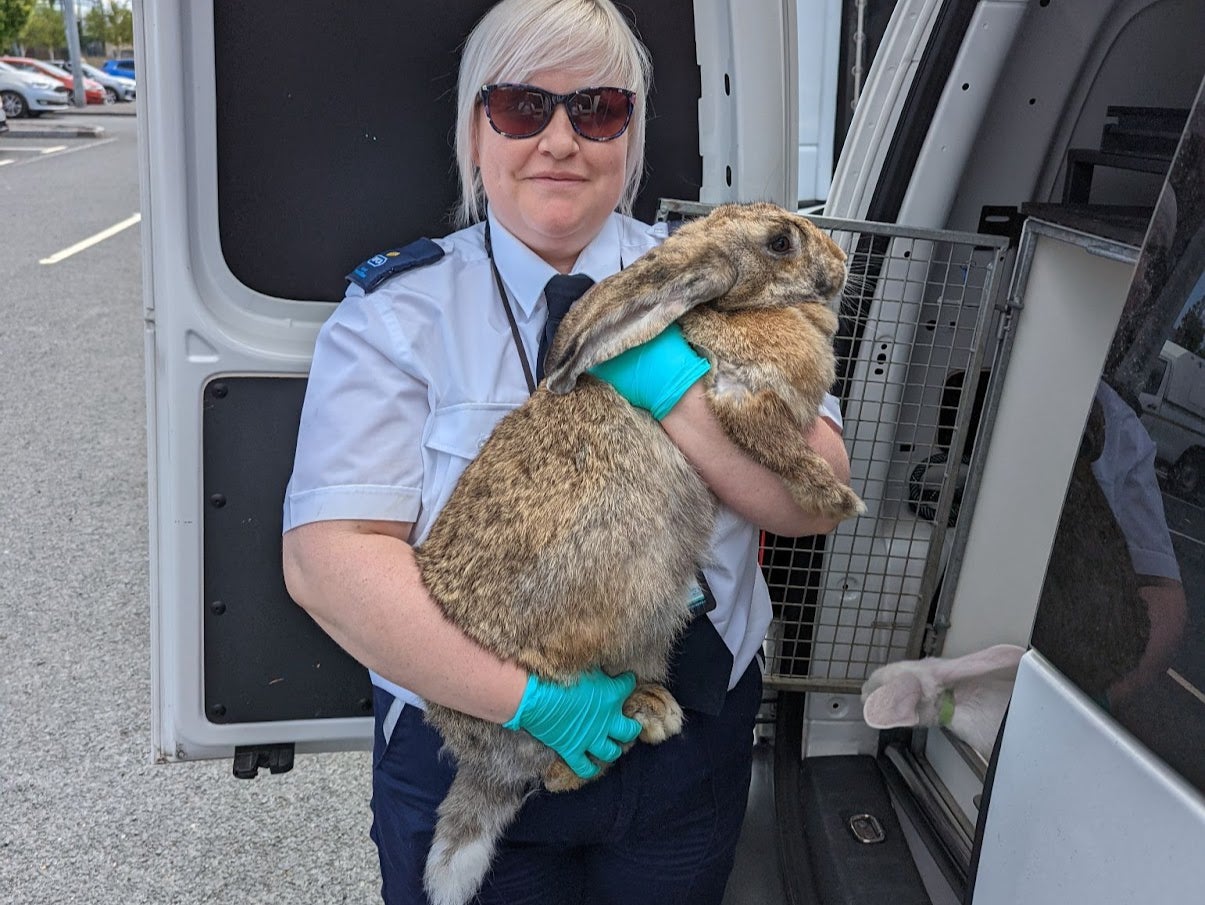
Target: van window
1122,610
1155,380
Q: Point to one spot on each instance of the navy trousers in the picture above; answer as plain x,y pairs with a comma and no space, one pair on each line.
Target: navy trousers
661,825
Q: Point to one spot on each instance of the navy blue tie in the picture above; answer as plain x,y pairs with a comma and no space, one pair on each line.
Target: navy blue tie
560,293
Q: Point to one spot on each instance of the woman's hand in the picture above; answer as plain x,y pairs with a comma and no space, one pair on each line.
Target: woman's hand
655,374
581,720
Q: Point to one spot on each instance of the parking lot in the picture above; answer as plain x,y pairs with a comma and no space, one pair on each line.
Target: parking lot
87,818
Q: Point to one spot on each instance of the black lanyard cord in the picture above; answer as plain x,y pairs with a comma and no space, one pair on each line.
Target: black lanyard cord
510,314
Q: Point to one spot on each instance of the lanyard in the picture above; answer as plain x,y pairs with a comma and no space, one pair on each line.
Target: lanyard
510,314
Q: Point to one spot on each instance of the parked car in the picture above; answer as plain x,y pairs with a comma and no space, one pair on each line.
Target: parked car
23,94
117,87
93,92
123,67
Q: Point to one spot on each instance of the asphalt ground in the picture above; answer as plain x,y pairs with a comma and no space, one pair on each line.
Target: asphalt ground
84,815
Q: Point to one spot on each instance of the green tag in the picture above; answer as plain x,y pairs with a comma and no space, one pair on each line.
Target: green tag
945,708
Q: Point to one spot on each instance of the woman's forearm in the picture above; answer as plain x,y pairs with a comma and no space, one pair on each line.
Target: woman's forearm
754,492
360,583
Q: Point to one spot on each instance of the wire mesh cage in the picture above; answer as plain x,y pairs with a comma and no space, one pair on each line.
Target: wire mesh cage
919,334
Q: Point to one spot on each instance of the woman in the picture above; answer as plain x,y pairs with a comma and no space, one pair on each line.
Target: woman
410,376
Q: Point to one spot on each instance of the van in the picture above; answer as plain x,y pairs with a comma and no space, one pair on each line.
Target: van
1173,413
1019,192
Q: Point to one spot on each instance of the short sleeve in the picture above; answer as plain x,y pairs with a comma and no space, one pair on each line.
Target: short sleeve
1125,472
359,452
830,408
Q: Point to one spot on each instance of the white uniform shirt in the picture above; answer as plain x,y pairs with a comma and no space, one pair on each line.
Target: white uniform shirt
408,381
1125,471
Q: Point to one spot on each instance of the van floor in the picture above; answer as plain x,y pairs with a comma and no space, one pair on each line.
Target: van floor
757,874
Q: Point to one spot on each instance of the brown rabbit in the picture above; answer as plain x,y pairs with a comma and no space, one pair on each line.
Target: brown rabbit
573,539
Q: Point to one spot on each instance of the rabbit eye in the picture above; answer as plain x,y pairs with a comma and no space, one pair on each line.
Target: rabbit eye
780,244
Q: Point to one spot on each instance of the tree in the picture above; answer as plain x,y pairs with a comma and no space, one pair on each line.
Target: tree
121,24
44,31
108,25
1190,331
94,26
13,16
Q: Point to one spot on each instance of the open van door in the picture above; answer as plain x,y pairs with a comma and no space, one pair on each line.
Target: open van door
284,142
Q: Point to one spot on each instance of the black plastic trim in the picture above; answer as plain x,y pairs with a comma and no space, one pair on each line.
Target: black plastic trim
793,861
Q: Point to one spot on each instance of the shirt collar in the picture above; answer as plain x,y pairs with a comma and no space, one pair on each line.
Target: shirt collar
526,274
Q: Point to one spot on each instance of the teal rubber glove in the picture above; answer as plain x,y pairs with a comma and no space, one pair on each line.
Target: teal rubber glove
585,718
656,374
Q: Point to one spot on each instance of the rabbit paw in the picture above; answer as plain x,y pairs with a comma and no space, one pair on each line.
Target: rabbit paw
656,710
829,500
559,777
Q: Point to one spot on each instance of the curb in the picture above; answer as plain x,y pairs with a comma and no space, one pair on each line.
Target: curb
54,132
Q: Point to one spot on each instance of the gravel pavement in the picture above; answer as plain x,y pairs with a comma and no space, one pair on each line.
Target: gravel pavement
86,817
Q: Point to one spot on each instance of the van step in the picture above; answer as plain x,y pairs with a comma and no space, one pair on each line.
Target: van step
855,842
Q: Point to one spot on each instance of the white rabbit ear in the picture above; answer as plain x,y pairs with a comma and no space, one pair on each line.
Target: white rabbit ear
635,305
894,703
1000,658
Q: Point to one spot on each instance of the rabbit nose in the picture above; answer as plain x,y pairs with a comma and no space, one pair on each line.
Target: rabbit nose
829,282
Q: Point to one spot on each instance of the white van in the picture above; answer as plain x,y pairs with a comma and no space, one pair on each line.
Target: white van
1173,412
1020,192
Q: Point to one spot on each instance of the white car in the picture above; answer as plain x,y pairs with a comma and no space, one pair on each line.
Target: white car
22,94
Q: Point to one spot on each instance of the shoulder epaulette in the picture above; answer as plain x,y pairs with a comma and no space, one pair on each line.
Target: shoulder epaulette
419,253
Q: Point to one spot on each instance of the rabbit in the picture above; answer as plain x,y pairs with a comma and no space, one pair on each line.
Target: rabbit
976,689
573,539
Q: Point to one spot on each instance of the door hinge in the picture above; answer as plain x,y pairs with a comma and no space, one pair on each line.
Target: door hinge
249,759
935,636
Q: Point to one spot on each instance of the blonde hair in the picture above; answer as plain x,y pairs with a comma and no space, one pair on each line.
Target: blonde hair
517,38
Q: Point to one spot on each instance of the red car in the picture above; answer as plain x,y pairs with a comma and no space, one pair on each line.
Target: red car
94,93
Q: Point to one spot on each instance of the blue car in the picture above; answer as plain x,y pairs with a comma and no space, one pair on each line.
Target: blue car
123,67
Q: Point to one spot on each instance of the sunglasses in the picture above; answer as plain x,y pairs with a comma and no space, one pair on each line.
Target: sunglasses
521,111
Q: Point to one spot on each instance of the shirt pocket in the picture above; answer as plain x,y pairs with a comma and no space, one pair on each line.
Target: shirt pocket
455,435
461,430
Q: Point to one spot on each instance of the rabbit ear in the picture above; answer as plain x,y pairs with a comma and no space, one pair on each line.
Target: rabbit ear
1001,658
635,305
895,703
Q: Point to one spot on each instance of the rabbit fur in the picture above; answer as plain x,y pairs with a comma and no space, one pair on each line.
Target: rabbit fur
908,693
574,537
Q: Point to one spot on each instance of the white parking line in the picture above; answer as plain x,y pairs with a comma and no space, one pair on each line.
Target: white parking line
4,163
91,240
44,152
34,149
1187,686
